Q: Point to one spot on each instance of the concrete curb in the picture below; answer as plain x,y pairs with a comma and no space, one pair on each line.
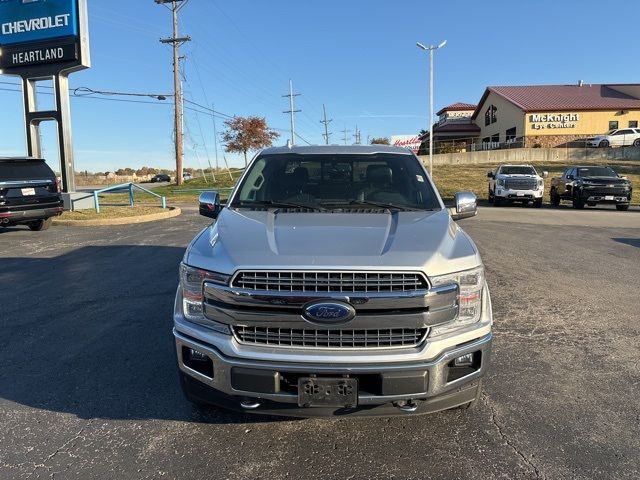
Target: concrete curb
172,212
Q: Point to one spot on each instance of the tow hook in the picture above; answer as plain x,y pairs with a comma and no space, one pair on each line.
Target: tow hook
406,405
249,404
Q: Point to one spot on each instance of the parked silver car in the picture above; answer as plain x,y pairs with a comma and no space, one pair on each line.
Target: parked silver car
333,282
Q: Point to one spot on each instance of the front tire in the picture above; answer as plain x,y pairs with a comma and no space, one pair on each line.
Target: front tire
537,203
497,201
578,202
622,208
636,142
603,143
40,225
491,197
555,198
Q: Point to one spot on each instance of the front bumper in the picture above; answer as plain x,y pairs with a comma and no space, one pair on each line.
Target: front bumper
433,384
606,195
519,195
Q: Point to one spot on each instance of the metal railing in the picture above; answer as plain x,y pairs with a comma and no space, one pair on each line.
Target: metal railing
126,186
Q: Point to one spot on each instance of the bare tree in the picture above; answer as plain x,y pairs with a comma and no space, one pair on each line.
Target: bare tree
247,133
380,141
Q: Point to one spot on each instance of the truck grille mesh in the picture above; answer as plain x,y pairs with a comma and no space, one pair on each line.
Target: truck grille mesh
294,337
520,183
299,281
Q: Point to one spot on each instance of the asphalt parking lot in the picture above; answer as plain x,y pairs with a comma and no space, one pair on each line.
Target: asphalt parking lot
89,388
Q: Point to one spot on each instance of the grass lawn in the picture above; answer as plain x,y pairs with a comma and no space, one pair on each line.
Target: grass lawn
112,212
448,178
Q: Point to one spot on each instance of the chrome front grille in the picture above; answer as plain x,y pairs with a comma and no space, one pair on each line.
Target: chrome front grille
329,281
520,183
312,338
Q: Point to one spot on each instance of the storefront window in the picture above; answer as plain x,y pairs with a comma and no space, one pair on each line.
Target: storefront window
613,124
510,134
633,124
490,115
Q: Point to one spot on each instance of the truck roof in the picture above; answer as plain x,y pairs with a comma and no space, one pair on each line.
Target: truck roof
20,159
337,149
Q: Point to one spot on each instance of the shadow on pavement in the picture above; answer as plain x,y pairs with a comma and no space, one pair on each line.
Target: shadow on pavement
89,333
634,242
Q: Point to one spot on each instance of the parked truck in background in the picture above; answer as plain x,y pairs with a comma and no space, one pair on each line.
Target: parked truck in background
333,282
516,183
591,185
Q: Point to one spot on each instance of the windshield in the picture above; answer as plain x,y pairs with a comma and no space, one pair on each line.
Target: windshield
596,172
25,170
334,181
515,170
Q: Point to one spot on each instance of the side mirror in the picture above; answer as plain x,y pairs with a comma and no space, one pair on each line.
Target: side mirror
490,175
209,204
466,205
545,174
569,177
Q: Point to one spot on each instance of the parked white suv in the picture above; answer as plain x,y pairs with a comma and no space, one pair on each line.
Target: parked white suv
516,183
620,137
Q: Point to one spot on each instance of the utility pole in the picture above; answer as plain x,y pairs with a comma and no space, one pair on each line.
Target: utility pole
326,125
345,134
356,136
215,133
176,42
292,111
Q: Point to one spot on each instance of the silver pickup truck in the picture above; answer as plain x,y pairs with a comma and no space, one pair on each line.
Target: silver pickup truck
334,281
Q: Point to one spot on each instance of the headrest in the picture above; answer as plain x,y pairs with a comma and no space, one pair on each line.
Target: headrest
301,175
379,174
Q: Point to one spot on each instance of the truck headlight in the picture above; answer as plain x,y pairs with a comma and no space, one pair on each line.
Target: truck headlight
191,283
500,182
540,183
470,283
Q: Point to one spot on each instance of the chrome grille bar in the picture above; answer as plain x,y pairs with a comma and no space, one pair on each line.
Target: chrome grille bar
329,281
312,338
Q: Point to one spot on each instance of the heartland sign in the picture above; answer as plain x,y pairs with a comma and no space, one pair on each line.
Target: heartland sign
412,142
43,32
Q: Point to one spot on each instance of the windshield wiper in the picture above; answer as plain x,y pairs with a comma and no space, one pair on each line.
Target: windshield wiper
278,204
388,206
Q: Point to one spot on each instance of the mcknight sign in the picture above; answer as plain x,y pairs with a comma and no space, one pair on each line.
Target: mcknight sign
23,21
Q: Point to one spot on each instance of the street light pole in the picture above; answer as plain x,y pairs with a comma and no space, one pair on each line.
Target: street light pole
431,49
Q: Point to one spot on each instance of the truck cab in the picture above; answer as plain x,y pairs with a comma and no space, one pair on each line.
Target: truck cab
334,281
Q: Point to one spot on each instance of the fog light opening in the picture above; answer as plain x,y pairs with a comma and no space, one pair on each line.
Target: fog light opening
198,361
464,365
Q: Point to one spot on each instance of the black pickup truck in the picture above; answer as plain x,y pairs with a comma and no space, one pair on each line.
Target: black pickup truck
29,193
591,185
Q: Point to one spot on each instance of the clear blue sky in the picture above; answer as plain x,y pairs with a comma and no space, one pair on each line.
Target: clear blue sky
357,57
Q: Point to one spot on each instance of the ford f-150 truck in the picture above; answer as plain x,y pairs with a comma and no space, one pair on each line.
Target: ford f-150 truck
516,183
591,185
334,281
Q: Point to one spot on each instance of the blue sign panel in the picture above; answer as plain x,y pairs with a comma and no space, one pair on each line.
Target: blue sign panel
23,21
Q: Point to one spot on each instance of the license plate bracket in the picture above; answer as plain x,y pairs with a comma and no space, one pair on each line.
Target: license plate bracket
28,192
327,392
608,197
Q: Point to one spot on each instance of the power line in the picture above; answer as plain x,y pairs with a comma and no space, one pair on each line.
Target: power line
326,125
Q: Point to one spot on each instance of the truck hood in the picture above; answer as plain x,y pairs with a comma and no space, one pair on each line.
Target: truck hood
242,239
608,180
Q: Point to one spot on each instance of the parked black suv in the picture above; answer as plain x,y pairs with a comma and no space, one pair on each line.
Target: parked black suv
29,193
161,177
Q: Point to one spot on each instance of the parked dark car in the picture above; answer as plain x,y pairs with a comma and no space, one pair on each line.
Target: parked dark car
591,185
161,177
29,193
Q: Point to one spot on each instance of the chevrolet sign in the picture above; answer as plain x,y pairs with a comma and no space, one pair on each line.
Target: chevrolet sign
24,21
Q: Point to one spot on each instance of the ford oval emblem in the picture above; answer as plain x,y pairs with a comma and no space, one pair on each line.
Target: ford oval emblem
329,312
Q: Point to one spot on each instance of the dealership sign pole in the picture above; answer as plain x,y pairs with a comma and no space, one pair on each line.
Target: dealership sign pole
45,40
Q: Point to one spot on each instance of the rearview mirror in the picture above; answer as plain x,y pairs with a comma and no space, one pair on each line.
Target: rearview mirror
466,205
545,174
209,204
489,174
